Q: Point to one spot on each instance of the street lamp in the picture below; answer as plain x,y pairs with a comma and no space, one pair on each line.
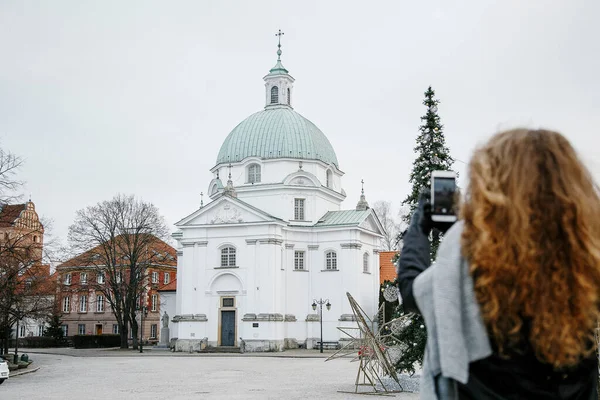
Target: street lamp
320,302
143,313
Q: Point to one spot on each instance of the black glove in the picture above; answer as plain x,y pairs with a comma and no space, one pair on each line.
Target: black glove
425,221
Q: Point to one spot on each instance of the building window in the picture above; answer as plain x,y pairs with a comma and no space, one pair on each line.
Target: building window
155,277
66,304
119,277
40,330
65,329
153,331
115,329
254,173
81,329
154,302
228,302
167,278
83,303
99,303
35,239
83,278
274,95
67,279
366,262
289,99
298,260
100,278
299,209
329,183
22,331
228,257
331,260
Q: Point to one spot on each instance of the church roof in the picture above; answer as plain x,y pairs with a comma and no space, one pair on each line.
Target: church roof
343,218
9,213
278,132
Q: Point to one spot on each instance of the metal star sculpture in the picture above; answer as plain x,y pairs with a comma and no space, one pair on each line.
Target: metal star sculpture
374,356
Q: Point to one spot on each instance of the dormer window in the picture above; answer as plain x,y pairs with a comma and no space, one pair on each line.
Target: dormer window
274,95
254,173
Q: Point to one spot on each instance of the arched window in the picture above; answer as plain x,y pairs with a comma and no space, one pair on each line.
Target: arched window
213,189
329,179
331,260
228,257
254,173
274,95
289,96
35,239
366,262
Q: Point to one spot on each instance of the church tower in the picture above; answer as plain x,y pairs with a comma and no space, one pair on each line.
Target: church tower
279,84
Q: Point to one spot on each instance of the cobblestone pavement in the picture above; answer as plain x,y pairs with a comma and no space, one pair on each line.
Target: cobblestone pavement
151,377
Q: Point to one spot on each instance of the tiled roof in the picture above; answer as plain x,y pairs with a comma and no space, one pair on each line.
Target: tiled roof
343,218
169,287
9,213
387,270
158,247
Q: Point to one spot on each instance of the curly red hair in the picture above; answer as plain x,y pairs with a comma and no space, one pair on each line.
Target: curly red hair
532,238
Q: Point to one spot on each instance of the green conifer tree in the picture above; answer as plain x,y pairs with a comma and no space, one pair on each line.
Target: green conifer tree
431,154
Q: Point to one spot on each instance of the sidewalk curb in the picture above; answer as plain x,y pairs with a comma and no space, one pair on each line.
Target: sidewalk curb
24,372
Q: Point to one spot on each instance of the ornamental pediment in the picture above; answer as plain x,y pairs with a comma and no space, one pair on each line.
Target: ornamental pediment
225,210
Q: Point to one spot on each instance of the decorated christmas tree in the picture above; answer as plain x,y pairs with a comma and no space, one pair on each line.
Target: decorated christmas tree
431,154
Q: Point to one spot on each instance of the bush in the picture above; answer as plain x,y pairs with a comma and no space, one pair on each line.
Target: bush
96,341
38,342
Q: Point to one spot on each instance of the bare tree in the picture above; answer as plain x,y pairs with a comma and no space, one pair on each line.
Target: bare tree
383,210
9,165
25,284
116,238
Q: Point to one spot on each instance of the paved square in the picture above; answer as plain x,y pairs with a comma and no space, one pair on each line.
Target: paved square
184,377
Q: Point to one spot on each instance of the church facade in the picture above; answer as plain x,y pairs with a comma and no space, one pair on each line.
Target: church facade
273,238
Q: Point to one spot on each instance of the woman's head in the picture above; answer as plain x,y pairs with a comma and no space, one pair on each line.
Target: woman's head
532,237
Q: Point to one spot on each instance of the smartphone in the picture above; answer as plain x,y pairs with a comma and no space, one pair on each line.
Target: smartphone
443,191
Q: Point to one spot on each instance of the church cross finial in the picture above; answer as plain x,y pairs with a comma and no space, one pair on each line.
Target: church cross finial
279,34
229,166
201,199
362,183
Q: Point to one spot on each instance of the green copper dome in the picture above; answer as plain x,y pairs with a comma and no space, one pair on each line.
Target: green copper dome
277,132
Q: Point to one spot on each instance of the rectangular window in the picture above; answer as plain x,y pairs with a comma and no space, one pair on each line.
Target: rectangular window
119,277
66,304
83,303
22,331
228,302
81,329
99,303
100,277
67,280
331,260
115,329
228,257
40,330
154,302
167,278
299,209
65,329
83,278
155,277
298,260
153,331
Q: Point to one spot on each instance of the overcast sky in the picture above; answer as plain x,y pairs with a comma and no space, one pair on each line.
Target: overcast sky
110,97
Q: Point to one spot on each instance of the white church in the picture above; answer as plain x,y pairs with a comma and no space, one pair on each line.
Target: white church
273,239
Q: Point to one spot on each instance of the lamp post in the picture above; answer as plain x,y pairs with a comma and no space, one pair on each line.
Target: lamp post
320,302
143,313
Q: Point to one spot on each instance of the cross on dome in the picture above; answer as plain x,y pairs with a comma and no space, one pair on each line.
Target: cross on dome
279,34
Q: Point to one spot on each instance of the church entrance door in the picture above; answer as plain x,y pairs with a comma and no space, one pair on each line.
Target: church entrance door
227,328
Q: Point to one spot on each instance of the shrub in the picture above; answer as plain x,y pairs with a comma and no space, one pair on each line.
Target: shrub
96,341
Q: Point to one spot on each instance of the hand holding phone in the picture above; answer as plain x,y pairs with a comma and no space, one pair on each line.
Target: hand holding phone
443,193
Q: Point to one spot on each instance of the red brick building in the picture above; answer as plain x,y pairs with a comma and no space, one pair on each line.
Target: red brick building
387,269
86,311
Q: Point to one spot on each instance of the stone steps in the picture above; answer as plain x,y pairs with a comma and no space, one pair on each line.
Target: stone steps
221,349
